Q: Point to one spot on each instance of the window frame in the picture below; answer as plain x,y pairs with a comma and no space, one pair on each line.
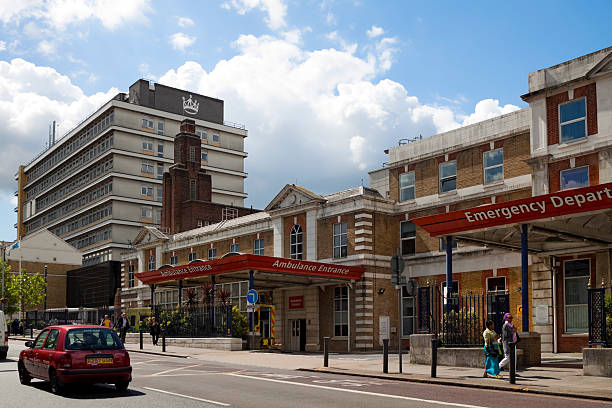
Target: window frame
342,246
146,208
147,144
173,260
490,293
131,275
441,179
410,238
485,167
192,256
407,187
298,243
212,253
588,177
258,246
412,317
204,155
569,122
151,263
235,247
588,276
339,296
145,190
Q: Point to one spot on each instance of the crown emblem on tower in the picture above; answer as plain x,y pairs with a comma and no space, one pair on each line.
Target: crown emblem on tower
190,105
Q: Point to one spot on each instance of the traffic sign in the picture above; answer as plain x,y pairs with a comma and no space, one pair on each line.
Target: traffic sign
252,296
250,307
400,281
397,264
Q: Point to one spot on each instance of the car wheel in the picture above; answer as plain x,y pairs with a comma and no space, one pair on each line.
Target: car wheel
24,377
56,384
122,385
3,355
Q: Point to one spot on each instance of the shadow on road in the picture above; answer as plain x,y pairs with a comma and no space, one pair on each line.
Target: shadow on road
95,391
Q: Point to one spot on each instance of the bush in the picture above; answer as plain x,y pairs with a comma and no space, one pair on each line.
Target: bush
239,323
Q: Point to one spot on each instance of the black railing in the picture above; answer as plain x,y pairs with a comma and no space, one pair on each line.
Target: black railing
197,321
464,324
597,317
39,320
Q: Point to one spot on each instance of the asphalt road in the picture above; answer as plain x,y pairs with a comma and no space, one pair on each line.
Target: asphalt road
167,381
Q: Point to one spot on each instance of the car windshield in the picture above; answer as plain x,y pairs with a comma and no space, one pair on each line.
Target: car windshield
92,339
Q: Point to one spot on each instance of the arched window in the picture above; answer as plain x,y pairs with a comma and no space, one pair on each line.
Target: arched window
296,242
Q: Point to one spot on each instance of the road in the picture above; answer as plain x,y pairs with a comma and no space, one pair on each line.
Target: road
168,381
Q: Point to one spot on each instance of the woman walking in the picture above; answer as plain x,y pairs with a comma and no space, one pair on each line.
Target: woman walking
508,335
492,352
155,330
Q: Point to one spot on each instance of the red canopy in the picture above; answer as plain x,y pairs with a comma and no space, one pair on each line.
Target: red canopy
246,262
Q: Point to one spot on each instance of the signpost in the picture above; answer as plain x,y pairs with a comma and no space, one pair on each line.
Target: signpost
252,297
397,267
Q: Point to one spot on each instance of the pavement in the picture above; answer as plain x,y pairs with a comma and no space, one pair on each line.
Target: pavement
559,374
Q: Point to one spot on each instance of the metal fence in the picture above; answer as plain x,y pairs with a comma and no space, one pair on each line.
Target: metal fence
197,321
39,320
463,325
598,335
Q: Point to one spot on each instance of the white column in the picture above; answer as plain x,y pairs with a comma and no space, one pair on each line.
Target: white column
311,235
158,256
277,227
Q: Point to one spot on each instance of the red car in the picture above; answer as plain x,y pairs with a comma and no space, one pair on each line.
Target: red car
76,354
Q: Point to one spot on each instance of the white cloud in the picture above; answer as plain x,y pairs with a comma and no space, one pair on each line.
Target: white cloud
185,22
276,10
180,41
46,47
487,109
330,19
2,45
385,50
375,32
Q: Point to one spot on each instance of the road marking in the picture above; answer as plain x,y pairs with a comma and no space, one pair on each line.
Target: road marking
176,369
145,362
375,394
188,397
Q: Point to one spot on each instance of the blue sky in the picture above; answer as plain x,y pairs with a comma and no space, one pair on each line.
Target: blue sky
322,86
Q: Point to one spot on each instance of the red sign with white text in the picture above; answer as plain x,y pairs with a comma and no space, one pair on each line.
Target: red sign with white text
247,262
296,302
565,202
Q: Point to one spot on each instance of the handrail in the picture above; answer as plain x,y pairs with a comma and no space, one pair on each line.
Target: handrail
234,125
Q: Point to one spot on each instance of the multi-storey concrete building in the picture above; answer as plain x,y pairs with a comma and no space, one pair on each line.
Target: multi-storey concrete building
100,183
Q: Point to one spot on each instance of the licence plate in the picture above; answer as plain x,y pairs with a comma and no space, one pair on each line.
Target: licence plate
99,360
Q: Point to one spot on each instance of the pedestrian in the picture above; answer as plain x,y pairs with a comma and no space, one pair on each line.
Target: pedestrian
509,334
492,351
15,326
106,322
155,330
124,326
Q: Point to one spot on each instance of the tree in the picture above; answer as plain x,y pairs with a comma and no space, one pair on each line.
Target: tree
21,290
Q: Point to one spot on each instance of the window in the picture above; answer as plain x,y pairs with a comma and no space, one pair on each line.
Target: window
443,244
493,165
296,242
160,193
340,240
341,311
192,189
258,247
408,238
215,138
160,128
235,248
204,155
212,253
146,168
40,339
151,264
406,181
146,212
238,292
160,150
495,286
192,256
448,176
130,276
575,178
192,153
51,342
160,171
147,144
572,120
146,191
202,134
453,299
147,124
577,275
408,313
174,260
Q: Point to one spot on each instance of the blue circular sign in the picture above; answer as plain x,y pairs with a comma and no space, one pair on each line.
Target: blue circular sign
252,296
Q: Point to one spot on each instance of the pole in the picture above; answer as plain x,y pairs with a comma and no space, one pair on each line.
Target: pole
251,284
512,346
3,266
163,341
325,351
385,356
141,335
524,278
399,326
434,356
449,272
45,302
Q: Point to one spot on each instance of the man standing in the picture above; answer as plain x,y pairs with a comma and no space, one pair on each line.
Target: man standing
124,325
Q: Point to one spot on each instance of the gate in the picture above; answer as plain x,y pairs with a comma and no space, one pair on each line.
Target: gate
597,317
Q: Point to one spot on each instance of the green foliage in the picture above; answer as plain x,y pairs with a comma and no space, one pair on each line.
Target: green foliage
177,321
239,323
463,327
21,290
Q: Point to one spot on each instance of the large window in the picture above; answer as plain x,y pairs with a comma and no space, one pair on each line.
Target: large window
296,242
408,313
576,308
495,286
408,238
146,191
234,247
130,276
147,124
572,120
147,168
341,311
493,162
448,176
151,263
192,256
201,132
340,240
174,260
147,145
406,182
204,155
575,178
160,150
146,212
212,253
259,247
238,292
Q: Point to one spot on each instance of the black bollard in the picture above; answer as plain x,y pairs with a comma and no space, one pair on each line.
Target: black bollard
163,342
512,363
385,356
325,351
31,331
434,356
141,334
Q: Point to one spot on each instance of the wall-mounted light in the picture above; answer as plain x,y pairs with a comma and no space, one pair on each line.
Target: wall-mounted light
381,291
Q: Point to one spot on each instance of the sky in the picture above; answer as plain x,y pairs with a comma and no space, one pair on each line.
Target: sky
323,86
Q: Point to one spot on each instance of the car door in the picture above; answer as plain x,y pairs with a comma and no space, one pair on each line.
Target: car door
31,361
46,353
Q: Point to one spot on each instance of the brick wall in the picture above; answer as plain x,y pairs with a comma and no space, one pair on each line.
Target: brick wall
552,111
555,168
288,223
325,233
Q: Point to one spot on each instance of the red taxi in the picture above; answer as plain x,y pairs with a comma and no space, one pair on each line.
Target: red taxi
76,354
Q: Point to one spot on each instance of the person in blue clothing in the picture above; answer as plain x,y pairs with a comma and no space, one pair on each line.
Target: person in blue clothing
492,351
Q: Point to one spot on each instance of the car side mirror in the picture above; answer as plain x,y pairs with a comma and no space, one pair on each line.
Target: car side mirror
29,344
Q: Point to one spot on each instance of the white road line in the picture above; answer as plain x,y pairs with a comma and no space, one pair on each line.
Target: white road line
176,369
375,394
188,397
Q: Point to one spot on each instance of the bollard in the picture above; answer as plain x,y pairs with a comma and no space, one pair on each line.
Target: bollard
385,356
325,351
512,362
31,331
163,342
141,334
434,356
